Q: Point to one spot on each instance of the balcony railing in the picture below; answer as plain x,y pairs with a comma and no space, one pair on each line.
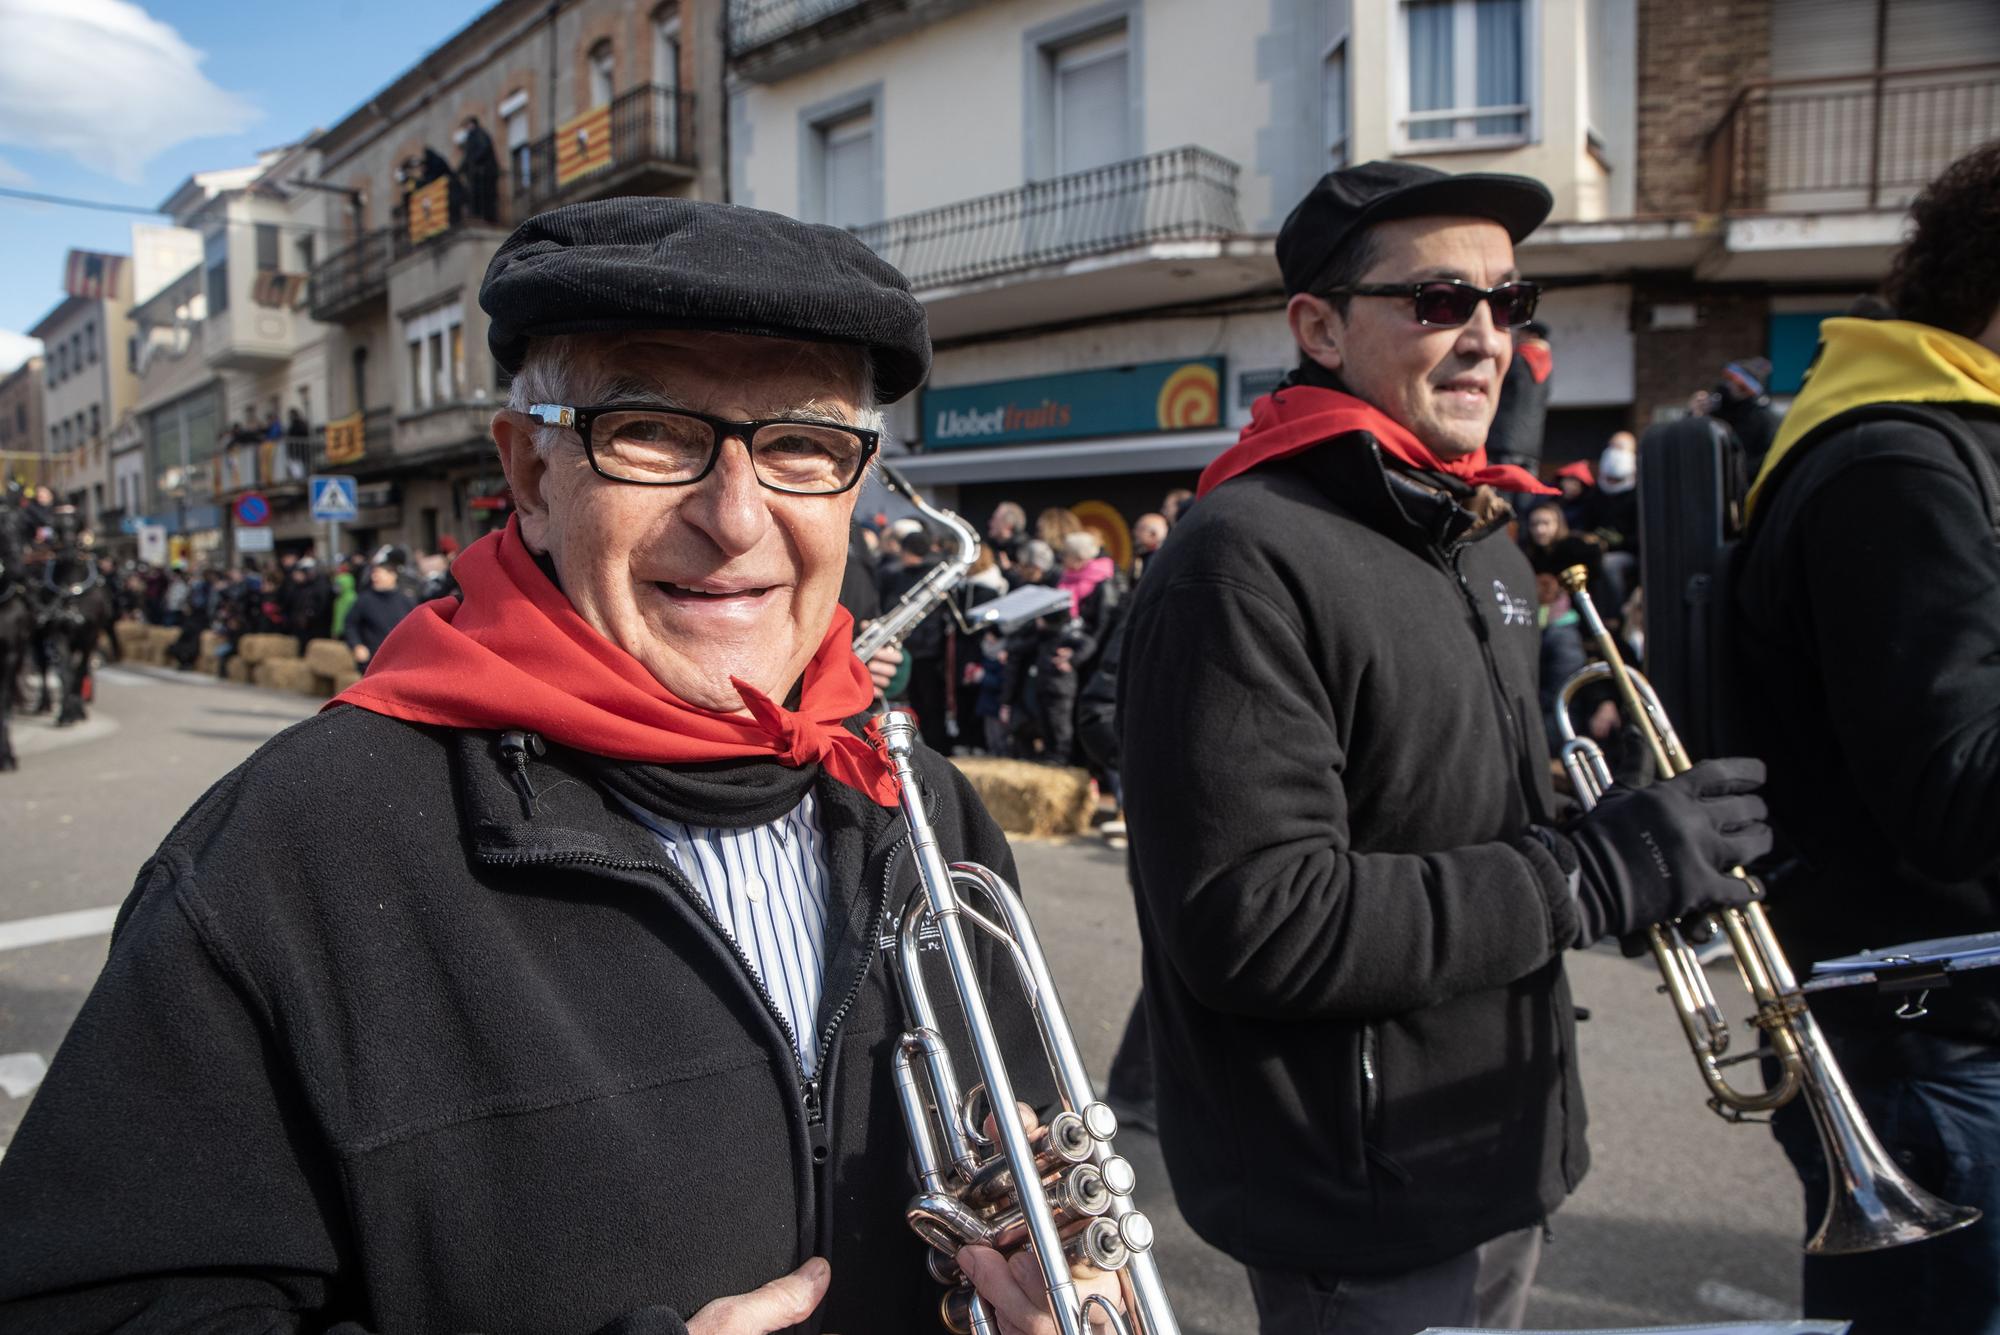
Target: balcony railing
1181,194
348,279
283,465
650,127
1861,141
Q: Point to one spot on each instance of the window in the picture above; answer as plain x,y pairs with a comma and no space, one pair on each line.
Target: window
305,245
1466,71
1333,93
436,342
90,342
267,247
59,364
215,257
1092,121
847,187
55,439
667,46
96,422
514,118
602,73
76,351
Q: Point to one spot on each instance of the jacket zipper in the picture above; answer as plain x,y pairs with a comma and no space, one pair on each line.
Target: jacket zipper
1484,633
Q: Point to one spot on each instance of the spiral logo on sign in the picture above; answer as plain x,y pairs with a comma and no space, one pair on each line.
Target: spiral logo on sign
1192,396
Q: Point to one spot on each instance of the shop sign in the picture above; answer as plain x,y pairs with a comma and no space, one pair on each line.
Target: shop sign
254,540
1125,400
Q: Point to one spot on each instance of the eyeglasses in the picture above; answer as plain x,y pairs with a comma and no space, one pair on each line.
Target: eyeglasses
1447,303
659,447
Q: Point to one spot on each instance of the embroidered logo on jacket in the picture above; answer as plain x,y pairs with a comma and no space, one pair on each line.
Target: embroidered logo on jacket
1513,611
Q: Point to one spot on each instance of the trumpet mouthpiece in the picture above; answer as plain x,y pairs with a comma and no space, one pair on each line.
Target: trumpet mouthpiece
1574,578
899,733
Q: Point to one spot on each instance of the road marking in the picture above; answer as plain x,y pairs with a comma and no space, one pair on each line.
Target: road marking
1726,1297
20,1072
56,927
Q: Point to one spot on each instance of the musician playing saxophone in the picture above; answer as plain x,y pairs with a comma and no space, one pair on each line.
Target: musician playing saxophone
1354,898
537,983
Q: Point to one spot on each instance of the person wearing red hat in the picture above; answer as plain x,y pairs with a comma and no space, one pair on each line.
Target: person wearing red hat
1355,889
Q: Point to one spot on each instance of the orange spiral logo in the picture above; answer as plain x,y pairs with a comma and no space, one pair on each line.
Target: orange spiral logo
1192,396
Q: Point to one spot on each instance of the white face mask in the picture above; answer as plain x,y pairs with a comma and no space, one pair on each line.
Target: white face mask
459,138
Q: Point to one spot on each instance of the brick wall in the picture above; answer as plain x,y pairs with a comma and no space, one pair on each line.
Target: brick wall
1693,56
1670,364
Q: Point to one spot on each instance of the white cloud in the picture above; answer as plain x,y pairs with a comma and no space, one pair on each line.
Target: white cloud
15,349
105,83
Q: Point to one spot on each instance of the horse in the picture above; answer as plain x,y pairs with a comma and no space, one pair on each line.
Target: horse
76,613
17,624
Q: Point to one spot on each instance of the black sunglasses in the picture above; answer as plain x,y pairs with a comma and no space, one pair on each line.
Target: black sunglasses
1447,303
675,447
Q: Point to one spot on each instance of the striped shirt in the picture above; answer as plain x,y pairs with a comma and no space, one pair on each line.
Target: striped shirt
766,887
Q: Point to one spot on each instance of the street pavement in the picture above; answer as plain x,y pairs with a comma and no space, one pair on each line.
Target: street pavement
1682,1218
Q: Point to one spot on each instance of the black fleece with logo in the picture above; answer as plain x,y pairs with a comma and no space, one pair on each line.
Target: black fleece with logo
396,1036
1333,755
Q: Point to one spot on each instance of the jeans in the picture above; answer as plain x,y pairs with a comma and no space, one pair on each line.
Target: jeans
1941,1124
1486,1287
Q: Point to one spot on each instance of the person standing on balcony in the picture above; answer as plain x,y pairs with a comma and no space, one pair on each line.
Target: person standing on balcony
479,168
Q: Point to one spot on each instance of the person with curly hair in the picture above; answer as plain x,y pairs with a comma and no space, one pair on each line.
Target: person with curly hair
1868,618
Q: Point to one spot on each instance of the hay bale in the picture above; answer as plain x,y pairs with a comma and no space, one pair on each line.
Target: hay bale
340,681
1025,798
205,660
263,648
237,669
132,638
285,674
159,639
329,658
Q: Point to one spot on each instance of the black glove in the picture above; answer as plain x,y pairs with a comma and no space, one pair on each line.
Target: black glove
1654,854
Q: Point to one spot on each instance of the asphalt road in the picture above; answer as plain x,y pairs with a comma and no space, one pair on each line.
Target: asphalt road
1682,1219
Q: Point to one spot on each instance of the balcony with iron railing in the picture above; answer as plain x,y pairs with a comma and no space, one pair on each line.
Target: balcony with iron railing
281,466
351,279
1850,143
650,143
1180,194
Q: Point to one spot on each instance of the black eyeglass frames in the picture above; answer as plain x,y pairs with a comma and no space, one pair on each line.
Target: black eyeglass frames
676,447
1447,303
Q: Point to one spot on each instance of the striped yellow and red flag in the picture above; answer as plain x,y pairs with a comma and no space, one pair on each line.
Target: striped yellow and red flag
583,145
430,210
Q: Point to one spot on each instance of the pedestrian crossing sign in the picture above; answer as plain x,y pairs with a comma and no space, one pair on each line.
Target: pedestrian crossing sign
332,496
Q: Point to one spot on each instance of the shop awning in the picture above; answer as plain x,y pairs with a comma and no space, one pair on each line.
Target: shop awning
1081,458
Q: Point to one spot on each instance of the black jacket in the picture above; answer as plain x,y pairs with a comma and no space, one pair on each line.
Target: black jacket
1332,755
375,1045
374,614
1867,626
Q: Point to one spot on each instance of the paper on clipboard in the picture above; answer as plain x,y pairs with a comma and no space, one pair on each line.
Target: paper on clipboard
1944,954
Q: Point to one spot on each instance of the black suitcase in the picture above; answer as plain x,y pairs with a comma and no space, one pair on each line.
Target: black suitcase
1692,480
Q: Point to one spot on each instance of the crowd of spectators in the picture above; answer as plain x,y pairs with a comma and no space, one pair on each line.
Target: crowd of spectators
357,599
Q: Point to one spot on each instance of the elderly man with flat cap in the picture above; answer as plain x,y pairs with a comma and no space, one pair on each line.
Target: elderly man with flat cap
536,985
1355,892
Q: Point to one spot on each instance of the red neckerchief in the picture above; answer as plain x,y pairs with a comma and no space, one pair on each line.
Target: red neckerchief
1292,420
514,654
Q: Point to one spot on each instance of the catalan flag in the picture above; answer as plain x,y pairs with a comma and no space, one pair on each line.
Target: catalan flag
583,145
346,440
430,210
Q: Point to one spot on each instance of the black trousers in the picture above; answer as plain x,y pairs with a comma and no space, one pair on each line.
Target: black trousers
1486,1287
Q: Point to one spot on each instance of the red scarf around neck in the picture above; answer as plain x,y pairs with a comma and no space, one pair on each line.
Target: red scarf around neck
514,654
1292,420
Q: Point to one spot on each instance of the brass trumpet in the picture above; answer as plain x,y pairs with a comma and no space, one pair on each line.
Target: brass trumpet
1872,1204
1059,1190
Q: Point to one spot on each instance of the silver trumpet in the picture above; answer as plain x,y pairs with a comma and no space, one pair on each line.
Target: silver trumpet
1872,1204
1059,1190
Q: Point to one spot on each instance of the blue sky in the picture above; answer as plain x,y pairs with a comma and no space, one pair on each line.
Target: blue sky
120,101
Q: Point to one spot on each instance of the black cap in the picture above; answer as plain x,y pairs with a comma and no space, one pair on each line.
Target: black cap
1348,200
639,263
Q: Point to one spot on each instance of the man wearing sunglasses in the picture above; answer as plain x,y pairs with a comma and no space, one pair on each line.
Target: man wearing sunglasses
1354,891
587,1026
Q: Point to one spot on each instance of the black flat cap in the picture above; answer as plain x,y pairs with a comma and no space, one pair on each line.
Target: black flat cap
642,263
1348,200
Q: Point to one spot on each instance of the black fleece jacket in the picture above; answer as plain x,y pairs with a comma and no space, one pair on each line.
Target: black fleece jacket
1332,757
383,1046
1867,626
